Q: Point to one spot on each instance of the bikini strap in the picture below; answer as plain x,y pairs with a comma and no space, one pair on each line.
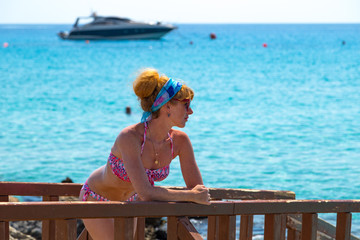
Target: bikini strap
143,144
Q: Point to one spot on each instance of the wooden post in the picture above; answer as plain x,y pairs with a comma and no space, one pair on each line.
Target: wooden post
227,227
293,234
343,226
4,231
212,229
65,229
275,226
140,228
172,228
309,226
4,226
123,228
48,226
246,227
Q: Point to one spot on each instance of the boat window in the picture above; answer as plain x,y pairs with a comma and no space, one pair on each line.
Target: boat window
84,21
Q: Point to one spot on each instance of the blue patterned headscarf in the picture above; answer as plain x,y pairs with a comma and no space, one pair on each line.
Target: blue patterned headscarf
166,93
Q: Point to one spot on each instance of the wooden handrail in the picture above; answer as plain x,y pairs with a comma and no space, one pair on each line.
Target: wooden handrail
39,189
275,212
221,215
73,189
71,210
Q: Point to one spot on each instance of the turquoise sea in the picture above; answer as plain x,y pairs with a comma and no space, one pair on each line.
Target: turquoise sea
281,117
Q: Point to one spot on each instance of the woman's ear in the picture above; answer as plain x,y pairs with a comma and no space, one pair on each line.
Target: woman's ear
168,105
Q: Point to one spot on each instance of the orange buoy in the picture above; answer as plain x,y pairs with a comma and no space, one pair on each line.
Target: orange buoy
212,36
5,45
87,41
265,45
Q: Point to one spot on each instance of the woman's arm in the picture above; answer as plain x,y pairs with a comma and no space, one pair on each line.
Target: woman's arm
130,152
189,167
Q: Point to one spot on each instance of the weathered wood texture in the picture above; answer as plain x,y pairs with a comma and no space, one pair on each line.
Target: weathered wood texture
140,228
39,189
4,230
309,226
48,226
325,229
73,189
186,230
64,210
59,217
343,226
227,227
246,227
4,226
247,194
213,226
275,227
124,228
293,234
65,229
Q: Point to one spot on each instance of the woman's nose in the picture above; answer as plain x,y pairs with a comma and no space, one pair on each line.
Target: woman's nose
189,111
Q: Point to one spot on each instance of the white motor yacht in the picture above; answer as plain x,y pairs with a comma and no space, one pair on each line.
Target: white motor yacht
114,28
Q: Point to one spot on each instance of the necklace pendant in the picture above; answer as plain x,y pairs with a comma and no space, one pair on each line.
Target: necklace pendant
156,161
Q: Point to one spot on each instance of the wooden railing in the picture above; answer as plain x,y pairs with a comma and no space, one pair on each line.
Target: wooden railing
296,217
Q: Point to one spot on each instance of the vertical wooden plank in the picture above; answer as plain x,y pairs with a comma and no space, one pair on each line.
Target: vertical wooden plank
309,226
48,226
4,226
343,226
60,229
140,228
65,229
246,227
172,228
290,234
283,218
275,227
211,234
71,229
293,234
4,230
227,227
123,228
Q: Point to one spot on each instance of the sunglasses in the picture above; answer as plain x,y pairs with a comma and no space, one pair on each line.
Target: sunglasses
186,101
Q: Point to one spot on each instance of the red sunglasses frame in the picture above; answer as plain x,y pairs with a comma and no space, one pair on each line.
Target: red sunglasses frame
185,100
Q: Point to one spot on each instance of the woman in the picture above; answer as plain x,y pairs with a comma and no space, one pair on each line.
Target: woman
143,152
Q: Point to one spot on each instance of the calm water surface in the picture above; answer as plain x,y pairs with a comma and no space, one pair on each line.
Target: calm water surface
285,117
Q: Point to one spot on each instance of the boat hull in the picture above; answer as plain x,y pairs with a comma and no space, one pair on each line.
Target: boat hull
116,34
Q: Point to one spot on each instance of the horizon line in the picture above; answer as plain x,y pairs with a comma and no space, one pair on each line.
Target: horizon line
213,23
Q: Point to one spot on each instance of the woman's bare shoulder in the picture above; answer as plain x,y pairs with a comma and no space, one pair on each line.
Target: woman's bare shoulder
130,135
179,136
132,130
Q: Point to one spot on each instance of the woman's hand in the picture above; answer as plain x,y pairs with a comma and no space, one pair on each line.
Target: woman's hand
201,195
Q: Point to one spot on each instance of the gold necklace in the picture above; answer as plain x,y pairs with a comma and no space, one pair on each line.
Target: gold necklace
156,153
157,159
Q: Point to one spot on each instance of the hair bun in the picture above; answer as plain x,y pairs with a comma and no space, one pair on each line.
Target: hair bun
145,84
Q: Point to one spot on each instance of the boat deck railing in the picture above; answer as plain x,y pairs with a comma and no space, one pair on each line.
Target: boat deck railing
285,217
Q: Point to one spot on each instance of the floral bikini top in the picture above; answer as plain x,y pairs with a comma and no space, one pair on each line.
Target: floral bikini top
154,175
